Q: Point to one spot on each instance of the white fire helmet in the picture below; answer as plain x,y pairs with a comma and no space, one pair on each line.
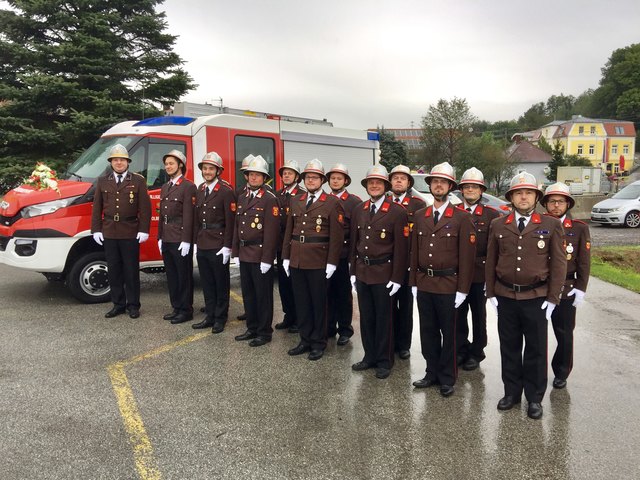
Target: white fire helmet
442,170
558,188
245,162
402,169
291,165
473,176
314,166
212,158
178,155
520,181
118,151
258,164
341,168
378,172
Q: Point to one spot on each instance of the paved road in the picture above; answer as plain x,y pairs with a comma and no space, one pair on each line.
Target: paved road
603,235
181,405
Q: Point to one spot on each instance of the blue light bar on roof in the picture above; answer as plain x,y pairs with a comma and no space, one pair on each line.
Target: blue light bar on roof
169,120
373,136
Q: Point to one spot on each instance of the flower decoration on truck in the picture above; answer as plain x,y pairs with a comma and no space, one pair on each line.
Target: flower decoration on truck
43,178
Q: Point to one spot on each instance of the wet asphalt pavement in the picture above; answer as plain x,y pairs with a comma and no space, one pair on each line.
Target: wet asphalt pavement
185,405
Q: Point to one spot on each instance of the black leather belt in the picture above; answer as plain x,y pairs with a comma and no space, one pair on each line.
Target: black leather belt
376,261
118,218
572,276
170,219
210,226
522,288
445,272
248,243
304,239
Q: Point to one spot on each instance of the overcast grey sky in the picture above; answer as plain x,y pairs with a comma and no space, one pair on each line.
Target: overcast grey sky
367,63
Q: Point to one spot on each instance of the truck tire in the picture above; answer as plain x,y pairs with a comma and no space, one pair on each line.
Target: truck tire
88,280
632,219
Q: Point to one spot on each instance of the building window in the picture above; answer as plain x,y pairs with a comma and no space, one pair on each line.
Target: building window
619,130
579,149
614,149
592,149
592,130
580,130
625,149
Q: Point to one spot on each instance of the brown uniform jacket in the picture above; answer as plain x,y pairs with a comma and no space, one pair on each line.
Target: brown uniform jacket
323,221
533,256
284,202
349,202
412,204
448,246
577,240
121,211
175,223
257,228
214,217
383,237
482,217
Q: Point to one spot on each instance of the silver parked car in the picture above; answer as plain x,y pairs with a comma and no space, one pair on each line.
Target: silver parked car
621,209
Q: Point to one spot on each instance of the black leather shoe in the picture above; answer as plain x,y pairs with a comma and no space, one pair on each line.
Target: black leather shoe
507,402
242,316
294,329
459,360
259,341
217,328
181,318
559,383
282,325
206,323
114,312
245,336
342,340
170,316
425,382
534,411
382,373
404,354
360,366
470,364
299,350
446,390
134,313
315,354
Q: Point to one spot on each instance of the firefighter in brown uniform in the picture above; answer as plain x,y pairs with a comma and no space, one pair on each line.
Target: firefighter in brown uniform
577,246
120,219
255,240
290,175
175,235
213,234
443,249
526,269
379,261
401,193
311,252
340,308
470,354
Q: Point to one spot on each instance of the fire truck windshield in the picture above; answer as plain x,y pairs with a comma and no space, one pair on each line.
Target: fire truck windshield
93,162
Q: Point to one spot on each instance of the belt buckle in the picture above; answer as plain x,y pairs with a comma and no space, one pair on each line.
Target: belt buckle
204,225
242,243
116,217
430,272
301,238
166,219
366,261
516,288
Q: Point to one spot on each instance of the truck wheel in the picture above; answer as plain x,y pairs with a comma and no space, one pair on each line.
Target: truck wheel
88,280
632,220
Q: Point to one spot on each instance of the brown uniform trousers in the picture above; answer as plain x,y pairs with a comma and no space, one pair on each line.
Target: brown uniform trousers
523,270
255,241
403,299
313,239
340,308
379,254
213,229
175,225
577,244
476,301
285,288
442,263
120,211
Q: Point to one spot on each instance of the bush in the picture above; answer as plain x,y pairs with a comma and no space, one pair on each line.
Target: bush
13,170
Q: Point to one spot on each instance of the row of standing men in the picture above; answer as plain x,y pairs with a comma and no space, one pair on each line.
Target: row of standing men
391,249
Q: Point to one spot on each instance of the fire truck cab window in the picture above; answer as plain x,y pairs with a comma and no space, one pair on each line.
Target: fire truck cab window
245,145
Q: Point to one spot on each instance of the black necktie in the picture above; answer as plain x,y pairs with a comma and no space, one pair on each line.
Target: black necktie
119,178
372,210
469,209
436,217
521,224
397,200
310,201
208,191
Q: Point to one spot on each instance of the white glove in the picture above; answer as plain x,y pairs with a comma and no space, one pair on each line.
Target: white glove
352,279
264,267
226,254
579,296
98,238
285,265
330,270
460,298
549,307
414,292
195,248
160,245
184,248
493,301
142,237
394,288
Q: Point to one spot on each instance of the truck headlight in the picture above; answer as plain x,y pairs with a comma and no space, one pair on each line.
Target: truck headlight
47,207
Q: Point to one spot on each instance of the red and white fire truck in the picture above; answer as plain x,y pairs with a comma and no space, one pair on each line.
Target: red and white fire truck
49,232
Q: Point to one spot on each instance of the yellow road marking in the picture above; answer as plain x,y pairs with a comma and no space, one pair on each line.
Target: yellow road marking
144,459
